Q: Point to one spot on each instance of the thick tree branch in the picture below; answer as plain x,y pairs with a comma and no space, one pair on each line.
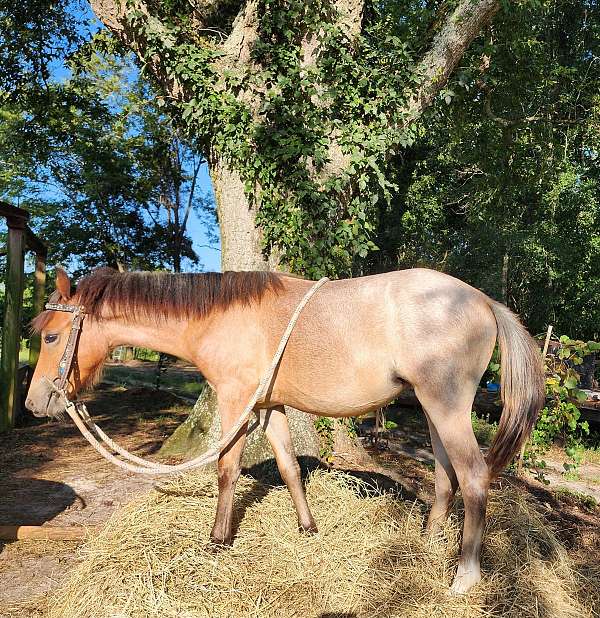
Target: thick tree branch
238,45
207,14
113,13
447,50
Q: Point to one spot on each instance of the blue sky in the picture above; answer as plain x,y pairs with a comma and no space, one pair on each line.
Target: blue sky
210,258
209,253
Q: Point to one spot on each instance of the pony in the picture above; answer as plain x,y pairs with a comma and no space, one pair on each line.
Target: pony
358,343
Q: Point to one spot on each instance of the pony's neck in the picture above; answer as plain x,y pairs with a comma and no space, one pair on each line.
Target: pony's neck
168,336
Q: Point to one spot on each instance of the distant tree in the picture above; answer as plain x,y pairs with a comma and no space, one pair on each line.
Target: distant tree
169,167
102,169
35,38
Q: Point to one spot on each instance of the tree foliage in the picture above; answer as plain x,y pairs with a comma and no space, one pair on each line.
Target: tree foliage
102,170
309,117
501,187
34,36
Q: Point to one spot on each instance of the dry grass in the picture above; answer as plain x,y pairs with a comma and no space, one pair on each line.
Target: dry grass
370,558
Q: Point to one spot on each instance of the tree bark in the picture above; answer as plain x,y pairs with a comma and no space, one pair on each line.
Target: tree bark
240,237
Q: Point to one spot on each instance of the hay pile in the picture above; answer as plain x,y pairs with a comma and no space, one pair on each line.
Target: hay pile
369,558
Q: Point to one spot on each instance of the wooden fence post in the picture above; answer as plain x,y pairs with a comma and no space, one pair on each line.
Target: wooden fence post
39,294
11,328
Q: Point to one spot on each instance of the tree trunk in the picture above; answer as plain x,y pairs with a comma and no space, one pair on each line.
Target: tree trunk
240,237
240,250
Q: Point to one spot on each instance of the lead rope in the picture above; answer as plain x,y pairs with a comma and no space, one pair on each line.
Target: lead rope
84,423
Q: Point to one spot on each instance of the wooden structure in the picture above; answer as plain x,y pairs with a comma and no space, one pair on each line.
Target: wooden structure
45,533
20,239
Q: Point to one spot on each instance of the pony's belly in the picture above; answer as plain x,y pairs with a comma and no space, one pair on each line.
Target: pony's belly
343,399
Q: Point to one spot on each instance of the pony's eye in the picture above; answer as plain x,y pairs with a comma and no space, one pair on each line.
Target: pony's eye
50,338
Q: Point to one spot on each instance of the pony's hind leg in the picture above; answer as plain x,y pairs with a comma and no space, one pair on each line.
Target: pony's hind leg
451,418
446,482
278,433
228,470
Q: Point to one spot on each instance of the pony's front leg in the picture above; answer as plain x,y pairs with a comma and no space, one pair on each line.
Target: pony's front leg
228,469
275,424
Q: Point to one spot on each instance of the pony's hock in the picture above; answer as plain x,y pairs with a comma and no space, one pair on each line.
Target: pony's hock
373,334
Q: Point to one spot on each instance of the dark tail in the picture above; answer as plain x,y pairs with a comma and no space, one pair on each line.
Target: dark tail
523,388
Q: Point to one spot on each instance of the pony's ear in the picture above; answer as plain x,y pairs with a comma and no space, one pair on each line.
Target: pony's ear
63,283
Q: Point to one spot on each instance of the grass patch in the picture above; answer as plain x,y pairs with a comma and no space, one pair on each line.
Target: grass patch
185,384
576,498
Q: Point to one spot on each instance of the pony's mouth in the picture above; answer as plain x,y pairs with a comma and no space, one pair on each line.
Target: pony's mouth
46,401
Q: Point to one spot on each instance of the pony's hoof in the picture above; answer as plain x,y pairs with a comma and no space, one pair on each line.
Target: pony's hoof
310,529
216,546
464,582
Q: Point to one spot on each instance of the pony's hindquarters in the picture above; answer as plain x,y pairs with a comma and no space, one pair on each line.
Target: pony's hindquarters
447,395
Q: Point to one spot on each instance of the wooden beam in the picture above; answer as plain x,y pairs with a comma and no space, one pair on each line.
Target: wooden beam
11,328
16,217
44,533
35,244
8,210
39,294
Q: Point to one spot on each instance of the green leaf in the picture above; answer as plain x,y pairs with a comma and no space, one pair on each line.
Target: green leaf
571,382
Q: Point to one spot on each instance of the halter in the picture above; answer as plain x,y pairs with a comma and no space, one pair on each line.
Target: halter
65,365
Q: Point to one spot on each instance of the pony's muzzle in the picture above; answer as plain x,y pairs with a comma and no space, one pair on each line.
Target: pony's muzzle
45,400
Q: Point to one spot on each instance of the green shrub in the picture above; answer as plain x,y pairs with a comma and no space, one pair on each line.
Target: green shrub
559,421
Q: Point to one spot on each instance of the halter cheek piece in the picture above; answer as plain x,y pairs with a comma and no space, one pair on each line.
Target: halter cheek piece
65,365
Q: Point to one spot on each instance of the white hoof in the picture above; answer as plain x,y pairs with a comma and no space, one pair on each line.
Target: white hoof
463,582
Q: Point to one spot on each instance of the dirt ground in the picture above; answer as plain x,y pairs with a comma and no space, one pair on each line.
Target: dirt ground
50,476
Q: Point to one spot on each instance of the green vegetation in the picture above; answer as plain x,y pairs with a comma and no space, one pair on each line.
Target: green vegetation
484,430
585,501
559,421
325,426
500,187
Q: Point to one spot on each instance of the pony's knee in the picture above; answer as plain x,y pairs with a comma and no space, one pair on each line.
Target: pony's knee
227,476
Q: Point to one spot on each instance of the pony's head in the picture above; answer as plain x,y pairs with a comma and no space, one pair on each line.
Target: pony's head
54,328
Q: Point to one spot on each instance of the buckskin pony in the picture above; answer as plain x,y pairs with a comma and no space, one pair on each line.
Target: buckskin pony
358,343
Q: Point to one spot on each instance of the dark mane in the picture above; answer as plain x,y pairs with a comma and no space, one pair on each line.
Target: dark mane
160,295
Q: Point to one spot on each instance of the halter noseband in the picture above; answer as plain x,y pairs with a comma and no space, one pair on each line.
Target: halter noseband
65,365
